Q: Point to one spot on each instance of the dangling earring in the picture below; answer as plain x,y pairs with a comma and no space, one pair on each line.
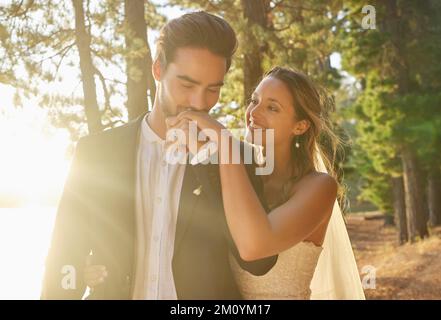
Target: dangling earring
297,142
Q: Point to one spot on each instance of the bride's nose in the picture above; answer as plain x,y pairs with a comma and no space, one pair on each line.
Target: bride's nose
255,112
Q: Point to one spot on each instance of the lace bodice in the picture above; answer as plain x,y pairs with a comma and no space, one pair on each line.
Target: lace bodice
290,277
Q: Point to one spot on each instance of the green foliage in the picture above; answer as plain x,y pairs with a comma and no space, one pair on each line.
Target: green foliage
399,101
37,44
384,108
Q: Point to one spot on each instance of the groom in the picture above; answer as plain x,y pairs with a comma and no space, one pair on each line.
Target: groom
159,228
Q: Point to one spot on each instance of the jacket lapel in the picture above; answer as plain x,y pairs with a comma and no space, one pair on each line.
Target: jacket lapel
190,193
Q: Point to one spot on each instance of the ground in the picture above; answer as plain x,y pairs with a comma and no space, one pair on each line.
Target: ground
410,271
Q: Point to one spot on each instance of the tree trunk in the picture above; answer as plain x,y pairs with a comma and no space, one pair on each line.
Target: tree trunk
140,82
82,39
434,197
414,192
399,209
414,195
255,11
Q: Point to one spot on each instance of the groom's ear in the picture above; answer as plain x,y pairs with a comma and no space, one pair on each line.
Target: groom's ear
157,70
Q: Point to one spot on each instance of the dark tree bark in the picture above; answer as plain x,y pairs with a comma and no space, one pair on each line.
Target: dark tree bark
255,11
414,195
414,192
82,39
140,82
434,197
399,209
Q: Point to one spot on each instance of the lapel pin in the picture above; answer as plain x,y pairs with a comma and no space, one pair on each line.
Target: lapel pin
198,190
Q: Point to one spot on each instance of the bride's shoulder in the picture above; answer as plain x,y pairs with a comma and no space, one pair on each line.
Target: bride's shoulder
319,183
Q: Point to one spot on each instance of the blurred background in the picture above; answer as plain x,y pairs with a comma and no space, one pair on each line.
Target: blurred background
73,67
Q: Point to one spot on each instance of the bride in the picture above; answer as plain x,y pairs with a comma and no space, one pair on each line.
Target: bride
302,221
304,225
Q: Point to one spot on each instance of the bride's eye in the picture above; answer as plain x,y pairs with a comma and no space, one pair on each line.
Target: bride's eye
273,108
253,101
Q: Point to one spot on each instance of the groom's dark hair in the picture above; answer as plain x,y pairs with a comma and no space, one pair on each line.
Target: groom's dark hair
197,29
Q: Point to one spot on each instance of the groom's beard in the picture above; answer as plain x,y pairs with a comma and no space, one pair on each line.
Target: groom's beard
172,112
168,108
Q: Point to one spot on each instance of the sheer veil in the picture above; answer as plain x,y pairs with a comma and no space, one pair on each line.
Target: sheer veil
336,275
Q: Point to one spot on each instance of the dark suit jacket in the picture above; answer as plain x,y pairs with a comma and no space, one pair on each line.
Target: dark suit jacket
97,213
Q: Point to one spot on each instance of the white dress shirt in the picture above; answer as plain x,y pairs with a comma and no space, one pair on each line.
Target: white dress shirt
158,191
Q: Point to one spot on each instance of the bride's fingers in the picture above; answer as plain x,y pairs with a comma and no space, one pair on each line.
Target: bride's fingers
175,123
171,121
190,115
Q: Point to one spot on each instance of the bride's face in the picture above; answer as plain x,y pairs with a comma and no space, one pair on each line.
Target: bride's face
271,107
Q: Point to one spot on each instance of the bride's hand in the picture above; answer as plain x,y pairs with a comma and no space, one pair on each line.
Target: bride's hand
203,121
210,128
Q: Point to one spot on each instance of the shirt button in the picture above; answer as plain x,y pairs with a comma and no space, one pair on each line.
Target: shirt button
153,278
158,199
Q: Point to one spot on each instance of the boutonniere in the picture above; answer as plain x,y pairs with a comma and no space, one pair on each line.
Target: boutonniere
198,190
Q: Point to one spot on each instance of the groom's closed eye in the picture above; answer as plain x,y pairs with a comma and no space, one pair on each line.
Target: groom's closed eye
214,89
188,83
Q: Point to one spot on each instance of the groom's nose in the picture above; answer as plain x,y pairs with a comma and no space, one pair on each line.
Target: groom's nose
198,101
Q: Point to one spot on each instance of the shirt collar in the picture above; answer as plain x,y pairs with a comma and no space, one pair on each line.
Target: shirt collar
147,132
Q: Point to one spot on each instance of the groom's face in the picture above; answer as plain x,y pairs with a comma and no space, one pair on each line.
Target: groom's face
192,80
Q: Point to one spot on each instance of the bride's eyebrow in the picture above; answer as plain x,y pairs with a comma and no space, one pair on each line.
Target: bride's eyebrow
274,100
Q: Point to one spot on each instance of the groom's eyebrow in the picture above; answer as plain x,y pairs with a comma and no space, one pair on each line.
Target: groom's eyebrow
188,79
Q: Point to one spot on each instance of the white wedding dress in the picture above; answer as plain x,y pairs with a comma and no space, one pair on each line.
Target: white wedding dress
307,271
290,278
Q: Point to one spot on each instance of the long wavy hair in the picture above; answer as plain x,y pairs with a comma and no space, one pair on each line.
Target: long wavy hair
314,104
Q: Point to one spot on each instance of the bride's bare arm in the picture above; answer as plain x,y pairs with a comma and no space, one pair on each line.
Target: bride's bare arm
258,234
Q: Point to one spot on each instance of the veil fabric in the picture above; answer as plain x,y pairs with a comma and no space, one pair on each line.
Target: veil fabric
336,275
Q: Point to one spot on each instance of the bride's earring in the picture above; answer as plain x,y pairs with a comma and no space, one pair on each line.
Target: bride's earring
297,142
